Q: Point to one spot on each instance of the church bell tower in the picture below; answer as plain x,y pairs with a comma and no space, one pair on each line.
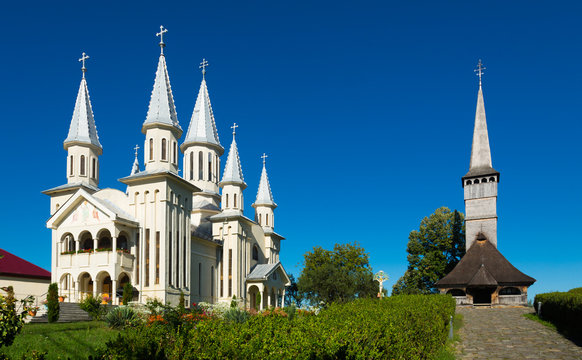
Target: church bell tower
480,183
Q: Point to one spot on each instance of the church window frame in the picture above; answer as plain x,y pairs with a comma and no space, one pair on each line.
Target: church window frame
147,257
157,281
469,182
94,168
484,180
255,252
151,149
209,167
222,278
200,165
476,181
170,257
510,291
492,179
164,153
191,166
260,219
234,201
82,169
226,206
71,166
175,153
266,219
456,292
229,273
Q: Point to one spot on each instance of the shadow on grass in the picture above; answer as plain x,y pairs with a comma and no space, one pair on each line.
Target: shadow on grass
576,338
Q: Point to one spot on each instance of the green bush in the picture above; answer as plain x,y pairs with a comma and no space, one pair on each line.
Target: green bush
400,327
127,294
234,314
52,298
92,305
577,290
121,317
563,309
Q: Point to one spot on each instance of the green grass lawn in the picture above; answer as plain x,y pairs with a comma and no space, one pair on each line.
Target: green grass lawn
60,341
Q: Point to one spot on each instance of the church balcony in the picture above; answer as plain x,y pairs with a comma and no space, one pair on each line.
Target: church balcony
98,258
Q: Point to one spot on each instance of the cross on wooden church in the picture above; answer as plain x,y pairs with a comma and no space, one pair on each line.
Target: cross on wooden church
161,35
203,66
82,59
264,157
479,70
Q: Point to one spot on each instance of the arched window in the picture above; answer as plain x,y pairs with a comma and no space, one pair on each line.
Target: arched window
151,149
492,179
226,201
235,200
510,291
209,167
456,292
192,166
122,242
71,165
175,153
468,182
484,180
256,252
200,166
82,165
476,181
266,219
260,219
94,168
164,150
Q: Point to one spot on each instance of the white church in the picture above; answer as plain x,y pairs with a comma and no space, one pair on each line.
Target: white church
166,233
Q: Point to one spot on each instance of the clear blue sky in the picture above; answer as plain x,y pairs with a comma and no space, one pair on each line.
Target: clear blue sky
366,110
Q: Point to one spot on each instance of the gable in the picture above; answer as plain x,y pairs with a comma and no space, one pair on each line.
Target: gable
84,213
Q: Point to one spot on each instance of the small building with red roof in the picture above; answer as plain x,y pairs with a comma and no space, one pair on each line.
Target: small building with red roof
25,277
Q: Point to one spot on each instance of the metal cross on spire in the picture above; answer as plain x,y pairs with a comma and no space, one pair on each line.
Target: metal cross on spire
203,66
233,127
82,59
264,157
479,71
136,148
161,35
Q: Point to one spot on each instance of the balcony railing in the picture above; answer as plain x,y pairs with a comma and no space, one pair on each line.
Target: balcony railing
97,257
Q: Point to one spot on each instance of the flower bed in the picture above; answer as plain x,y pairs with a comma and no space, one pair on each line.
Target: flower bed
399,327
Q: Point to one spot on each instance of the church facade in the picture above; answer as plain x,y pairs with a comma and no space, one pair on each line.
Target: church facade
167,233
484,275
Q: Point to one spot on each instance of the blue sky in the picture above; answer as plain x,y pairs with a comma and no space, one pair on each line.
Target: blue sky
365,109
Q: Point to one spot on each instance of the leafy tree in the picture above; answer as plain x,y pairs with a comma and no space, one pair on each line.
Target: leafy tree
11,318
52,298
433,251
292,295
337,275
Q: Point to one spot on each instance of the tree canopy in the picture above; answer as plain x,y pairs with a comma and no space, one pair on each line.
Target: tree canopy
292,295
337,275
433,251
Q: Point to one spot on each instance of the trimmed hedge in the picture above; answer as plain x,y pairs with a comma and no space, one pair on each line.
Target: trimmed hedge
563,309
403,327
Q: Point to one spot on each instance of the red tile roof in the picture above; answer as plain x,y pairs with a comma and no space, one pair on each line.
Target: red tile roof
12,265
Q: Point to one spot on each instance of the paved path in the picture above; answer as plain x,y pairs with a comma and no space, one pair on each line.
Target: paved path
505,334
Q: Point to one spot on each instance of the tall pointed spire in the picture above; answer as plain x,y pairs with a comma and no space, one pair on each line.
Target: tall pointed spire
82,128
202,127
480,150
162,109
232,170
135,166
264,195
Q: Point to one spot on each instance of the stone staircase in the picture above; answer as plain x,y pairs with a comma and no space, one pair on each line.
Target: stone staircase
69,312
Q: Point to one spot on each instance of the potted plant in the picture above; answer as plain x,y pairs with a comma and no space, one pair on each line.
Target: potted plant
32,311
62,298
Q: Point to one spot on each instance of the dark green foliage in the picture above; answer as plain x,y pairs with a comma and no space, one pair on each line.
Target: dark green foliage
433,251
121,317
577,290
292,295
182,302
563,309
233,303
291,311
127,294
92,305
52,298
401,327
337,275
258,300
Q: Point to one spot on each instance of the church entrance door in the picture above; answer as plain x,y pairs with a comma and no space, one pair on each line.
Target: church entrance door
481,295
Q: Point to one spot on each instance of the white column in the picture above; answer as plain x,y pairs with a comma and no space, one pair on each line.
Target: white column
114,291
77,291
268,297
95,241
114,248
